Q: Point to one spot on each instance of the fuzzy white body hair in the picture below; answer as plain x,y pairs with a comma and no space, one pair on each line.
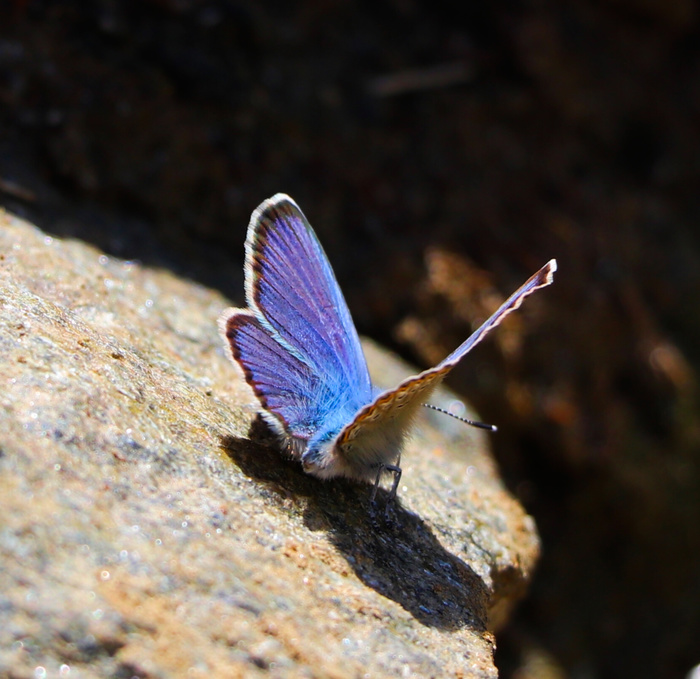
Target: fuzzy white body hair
374,439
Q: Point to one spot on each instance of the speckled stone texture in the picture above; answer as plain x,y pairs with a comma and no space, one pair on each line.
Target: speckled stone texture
149,527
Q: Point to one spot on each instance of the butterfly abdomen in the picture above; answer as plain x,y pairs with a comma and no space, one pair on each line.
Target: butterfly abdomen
375,439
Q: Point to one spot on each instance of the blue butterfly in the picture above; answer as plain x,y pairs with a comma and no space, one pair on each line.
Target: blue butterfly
300,352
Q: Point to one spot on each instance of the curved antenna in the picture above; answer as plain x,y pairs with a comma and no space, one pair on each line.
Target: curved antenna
473,423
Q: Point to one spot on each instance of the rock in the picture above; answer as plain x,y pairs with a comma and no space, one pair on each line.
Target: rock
150,528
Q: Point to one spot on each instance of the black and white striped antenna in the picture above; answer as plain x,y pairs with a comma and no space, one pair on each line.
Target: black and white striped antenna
473,423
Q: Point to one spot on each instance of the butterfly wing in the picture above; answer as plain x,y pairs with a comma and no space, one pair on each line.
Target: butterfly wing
297,343
291,288
541,279
275,374
388,416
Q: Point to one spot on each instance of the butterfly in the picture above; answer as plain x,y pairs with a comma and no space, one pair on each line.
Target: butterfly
299,351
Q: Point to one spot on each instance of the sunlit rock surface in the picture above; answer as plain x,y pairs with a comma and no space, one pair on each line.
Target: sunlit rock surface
148,526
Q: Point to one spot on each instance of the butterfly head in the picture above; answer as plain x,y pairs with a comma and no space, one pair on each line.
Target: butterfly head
321,459
312,466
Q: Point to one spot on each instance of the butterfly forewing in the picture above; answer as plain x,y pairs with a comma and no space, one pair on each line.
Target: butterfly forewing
291,286
541,279
398,405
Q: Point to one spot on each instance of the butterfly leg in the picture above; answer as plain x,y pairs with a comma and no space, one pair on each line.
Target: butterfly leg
395,469
373,497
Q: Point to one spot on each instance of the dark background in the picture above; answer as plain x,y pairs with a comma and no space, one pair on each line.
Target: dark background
443,151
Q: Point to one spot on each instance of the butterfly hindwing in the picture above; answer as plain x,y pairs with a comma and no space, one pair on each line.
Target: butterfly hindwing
285,386
375,436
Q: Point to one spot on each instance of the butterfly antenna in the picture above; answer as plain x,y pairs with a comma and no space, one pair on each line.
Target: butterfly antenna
479,425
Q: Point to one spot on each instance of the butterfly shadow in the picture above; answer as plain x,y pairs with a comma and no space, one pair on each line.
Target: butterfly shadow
395,552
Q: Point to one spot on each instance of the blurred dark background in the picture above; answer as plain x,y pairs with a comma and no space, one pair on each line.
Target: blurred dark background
443,151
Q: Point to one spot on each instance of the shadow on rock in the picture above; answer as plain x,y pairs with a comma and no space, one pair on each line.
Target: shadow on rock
396,554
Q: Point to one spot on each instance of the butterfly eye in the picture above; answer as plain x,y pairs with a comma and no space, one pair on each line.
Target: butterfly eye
308,466
310,461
